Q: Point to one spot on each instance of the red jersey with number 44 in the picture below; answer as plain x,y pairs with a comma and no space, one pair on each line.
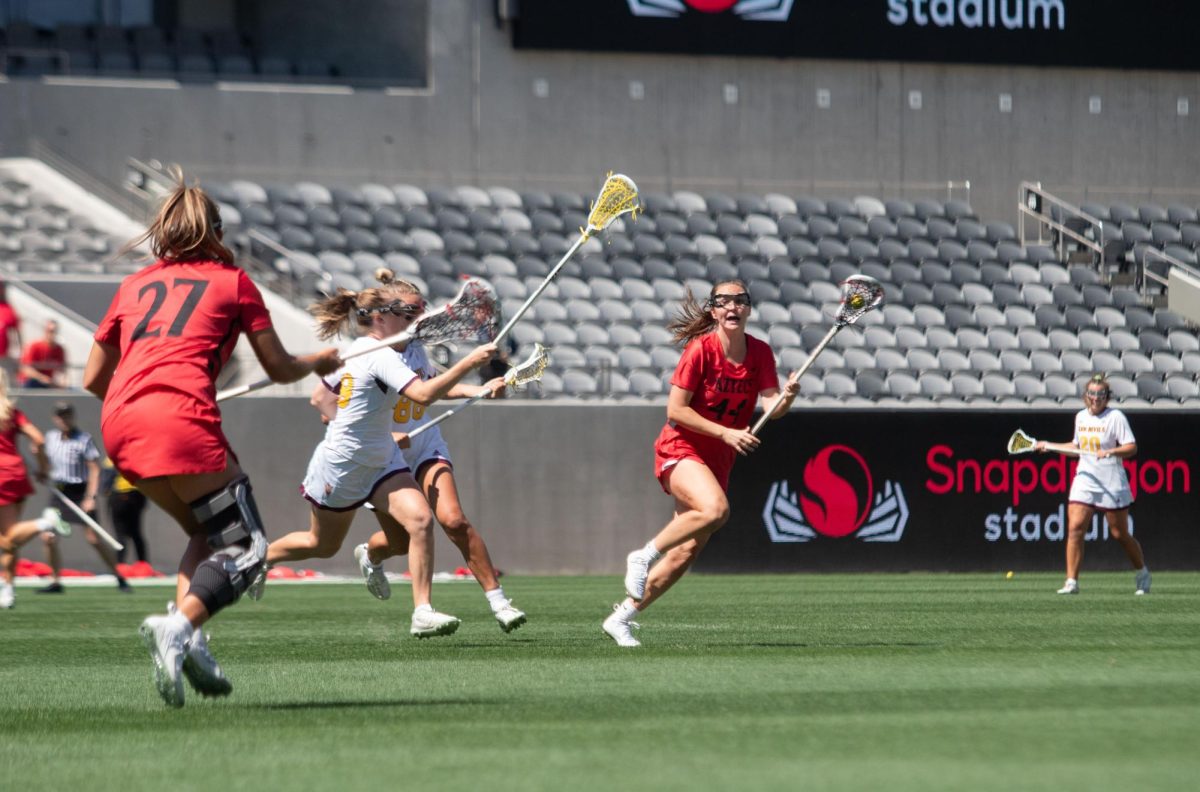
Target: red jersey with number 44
722,391
176,324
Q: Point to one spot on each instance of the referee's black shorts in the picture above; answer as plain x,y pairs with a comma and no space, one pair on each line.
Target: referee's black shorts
75,492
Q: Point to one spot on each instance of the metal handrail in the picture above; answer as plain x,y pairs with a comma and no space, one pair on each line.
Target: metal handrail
1149,274
1023,209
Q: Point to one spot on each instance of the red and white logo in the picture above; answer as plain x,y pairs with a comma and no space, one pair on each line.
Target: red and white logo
838,499
753,10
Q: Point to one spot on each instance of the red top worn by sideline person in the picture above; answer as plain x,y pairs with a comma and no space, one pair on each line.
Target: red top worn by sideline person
722,391
176,324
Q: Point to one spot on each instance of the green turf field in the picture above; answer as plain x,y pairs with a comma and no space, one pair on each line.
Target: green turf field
894,682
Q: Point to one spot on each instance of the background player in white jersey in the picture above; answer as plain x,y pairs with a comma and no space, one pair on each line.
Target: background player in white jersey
358,461
1103,436
429,458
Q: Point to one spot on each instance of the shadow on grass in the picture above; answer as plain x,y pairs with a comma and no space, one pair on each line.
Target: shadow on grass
373,704
841,645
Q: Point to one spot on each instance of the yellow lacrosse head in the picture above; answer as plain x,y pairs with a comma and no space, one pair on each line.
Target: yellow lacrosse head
530,369
618,196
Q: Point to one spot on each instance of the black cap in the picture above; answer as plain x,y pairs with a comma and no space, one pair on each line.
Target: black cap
64,408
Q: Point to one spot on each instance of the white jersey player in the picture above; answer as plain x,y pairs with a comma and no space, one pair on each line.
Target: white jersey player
357,461
429,458
1102,441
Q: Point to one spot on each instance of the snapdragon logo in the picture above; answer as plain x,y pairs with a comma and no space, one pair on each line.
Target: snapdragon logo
1010,14
838,499
753,10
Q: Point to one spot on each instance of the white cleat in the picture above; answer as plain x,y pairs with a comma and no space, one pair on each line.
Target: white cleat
509,617
619,630
1070,587
377,582
257,586
637,569
7,597
57,524
1143,582
166,643
203,672
430,623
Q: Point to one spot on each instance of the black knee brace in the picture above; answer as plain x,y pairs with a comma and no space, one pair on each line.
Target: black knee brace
239,545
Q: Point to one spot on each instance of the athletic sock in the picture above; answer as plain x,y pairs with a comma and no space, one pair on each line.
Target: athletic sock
496,598
651,551
426,608
44,525
626,610
181,622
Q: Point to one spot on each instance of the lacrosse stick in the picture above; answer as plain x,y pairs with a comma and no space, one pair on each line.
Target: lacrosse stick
1021,443
528,370
473,315
618,195
104,535
860,294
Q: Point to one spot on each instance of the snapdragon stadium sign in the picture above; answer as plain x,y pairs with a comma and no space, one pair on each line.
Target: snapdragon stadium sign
935,490
1156,34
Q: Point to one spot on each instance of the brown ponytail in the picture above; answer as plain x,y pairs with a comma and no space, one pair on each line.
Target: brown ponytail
334,312
186,228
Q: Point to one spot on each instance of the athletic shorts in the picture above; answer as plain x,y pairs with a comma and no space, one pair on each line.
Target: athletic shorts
668,452
161,435
74,493
15,489
341,485
429,446
1090,491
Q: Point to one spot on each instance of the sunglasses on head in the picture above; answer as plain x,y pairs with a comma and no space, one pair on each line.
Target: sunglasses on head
397,308
401,308
726,300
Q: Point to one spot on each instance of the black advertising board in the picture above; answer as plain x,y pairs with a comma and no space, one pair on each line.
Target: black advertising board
935,490
1147,34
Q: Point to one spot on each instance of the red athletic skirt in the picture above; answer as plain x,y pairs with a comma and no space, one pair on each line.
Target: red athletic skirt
671,448
15,489
164,434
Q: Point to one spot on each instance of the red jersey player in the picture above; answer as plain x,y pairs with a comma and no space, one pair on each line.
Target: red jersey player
158,350
716,385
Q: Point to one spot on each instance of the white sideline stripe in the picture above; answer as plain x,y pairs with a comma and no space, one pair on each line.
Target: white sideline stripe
260,87
108,581
111,82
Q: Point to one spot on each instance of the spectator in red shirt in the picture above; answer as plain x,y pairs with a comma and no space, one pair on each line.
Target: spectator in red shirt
10,333
44,362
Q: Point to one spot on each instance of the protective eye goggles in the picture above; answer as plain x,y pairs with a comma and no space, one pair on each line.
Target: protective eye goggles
729,300
396,308
1097,394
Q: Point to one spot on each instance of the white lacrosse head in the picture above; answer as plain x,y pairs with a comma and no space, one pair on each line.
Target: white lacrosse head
1020,443
473,315
860,294
530,369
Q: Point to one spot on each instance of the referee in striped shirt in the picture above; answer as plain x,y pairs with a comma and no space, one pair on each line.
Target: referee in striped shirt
75,472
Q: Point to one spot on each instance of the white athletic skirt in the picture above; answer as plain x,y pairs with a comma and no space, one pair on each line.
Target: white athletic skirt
340,485
1105,495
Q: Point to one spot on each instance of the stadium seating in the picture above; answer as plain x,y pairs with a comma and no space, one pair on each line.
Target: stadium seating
972,316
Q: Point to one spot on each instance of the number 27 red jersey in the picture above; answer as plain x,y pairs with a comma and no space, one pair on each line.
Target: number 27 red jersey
176,324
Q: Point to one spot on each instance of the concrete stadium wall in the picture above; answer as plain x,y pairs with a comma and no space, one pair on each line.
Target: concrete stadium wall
480,122
553,488
568,488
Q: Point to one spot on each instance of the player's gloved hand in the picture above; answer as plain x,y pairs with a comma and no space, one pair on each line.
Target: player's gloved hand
326,361
740,440
480,355
496,386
